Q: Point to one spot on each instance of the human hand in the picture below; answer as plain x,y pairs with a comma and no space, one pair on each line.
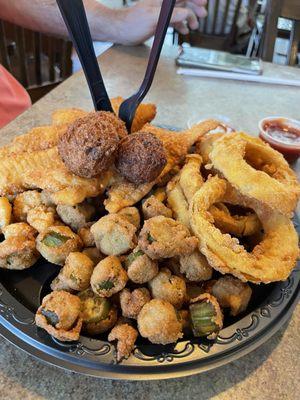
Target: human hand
140,20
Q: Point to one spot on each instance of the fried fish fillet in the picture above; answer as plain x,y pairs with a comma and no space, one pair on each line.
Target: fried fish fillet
67,115
46,137
145,113
123,193
39,138
45,170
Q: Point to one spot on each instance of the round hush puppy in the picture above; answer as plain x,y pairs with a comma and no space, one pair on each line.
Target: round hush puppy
166,286
114,234
59,315
163,237
159,323
89,146
109,277
141,157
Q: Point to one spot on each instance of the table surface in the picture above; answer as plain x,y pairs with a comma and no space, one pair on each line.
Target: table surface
271,371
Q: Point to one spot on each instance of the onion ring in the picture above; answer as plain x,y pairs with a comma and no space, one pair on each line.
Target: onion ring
181,189
205,144
271,260
256,170
237,225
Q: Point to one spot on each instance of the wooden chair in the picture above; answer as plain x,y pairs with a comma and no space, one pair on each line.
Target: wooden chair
39,62
213,32
289,9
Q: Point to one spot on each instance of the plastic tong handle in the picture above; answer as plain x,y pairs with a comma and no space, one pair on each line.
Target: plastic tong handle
74,15
129,106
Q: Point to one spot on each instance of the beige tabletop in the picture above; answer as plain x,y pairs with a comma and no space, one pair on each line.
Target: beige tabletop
271,371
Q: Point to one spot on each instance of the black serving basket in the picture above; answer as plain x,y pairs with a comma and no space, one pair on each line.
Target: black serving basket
21,292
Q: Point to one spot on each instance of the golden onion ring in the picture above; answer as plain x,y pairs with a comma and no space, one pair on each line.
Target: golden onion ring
271,260
237,225
256,170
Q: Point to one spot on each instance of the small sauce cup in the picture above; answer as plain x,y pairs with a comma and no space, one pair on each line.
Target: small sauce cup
283,134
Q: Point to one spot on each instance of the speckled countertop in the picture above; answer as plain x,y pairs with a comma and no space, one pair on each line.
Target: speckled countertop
271,371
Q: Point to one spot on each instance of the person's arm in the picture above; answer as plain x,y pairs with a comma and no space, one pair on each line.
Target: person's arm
125,26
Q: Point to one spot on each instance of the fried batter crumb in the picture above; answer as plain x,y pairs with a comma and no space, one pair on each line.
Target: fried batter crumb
125,335
132,302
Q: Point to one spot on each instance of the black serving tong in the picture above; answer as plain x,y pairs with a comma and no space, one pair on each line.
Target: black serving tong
75,19
128,107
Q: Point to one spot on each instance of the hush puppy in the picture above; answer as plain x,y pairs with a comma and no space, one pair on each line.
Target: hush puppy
141,157
89,146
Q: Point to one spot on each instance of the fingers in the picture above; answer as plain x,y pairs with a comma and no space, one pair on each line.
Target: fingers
199,10
181,15
197,3
181,28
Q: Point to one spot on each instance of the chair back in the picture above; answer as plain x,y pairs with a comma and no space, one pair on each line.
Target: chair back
281,8
219,28
38,61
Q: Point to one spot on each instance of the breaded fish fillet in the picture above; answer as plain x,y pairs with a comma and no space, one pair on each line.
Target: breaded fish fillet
45,170
145,113
39,138
123,193
46,137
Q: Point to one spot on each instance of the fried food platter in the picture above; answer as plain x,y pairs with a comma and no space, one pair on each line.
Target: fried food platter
129,264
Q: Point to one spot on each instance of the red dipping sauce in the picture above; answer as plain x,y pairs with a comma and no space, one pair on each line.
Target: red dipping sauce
283,134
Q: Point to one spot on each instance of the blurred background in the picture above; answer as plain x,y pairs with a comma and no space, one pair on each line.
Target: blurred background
268,29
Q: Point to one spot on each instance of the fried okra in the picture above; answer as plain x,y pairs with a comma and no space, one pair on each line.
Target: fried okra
195,267
108,277
76,216
163,237
141,157
152,207
94,254
24,202
86,236
98,313
132,215
232,293
168,287
125,335
114,235
132,302
140,267
206,316
56,243
158,322
185,319
76,273
42,217
59,315
5,212
18,250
